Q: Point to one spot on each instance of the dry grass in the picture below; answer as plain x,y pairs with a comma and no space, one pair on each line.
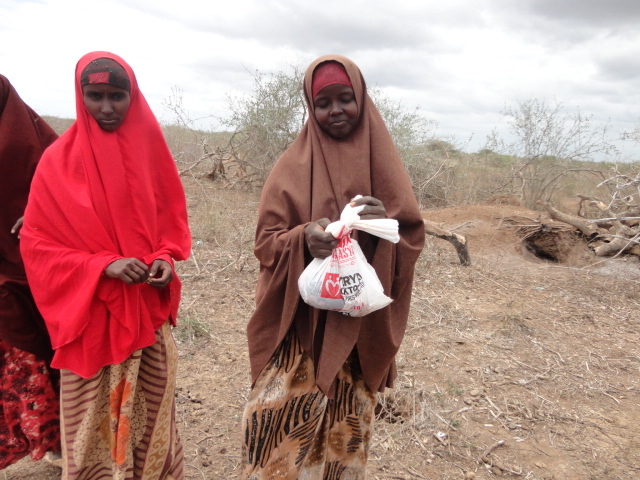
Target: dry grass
510,367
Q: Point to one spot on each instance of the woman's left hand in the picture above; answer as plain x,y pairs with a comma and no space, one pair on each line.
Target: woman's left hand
160,273
16,228
373,208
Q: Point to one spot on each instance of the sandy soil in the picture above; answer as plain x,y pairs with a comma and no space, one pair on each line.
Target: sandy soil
513,366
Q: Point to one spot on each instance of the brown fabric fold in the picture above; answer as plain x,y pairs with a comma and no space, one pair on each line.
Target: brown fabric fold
23,138
315,178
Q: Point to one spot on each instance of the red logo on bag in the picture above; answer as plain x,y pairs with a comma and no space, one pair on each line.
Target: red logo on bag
331,286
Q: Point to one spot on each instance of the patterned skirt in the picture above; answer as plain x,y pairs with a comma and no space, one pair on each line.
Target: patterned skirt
120,424
293,431
29,418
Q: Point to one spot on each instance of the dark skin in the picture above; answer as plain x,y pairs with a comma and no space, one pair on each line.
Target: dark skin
109,105
336,110
131,270
321,243
15,230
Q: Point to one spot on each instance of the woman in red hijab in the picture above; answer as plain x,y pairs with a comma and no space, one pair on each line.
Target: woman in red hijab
106,219
315,373
29,420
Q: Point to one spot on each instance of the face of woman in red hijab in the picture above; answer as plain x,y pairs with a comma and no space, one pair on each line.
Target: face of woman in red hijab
336,110
107,104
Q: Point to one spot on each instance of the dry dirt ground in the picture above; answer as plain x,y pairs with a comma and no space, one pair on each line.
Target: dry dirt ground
511,367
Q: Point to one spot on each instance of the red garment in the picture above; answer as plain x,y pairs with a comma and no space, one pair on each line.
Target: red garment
96,197
23,138
328,73
29,418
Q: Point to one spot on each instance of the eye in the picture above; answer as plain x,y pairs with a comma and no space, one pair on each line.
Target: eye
321,103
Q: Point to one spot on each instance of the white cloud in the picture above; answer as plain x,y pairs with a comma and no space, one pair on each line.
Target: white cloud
461,61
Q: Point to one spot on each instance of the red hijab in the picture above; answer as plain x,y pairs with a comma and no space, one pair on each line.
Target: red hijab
96,197
23,138
315,178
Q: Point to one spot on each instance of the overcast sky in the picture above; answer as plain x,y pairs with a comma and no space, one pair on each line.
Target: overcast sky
460,61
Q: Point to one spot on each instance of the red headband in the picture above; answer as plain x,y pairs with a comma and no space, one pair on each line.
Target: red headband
329,73
105,70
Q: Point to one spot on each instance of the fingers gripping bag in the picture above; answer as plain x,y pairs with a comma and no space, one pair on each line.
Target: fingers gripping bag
344,281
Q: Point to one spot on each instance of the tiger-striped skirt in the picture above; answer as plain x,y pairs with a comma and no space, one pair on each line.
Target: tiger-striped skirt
120,424
293,431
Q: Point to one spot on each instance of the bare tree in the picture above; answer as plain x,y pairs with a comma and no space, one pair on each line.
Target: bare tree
547,143
264,123
190,146
413,135
633,135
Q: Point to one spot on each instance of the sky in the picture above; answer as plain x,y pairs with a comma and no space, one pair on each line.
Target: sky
461,62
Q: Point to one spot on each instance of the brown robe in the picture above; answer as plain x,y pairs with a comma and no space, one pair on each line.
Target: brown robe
23,138
315,178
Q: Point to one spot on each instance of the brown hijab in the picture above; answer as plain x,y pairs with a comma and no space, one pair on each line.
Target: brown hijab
23,138
315,178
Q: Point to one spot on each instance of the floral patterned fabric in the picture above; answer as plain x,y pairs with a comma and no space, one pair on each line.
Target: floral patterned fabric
29,418
120,424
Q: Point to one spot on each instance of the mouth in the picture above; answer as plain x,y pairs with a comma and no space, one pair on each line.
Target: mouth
109,124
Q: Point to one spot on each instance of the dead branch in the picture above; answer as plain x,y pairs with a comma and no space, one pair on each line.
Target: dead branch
587,229
616,246
484,458
458,241
609,236
611,219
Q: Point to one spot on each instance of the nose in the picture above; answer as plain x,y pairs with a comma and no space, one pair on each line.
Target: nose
336,108
106,107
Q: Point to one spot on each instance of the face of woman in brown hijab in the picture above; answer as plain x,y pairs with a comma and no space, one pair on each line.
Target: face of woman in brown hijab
336,110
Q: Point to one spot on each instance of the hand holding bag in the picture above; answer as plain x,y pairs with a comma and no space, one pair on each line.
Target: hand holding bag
344,281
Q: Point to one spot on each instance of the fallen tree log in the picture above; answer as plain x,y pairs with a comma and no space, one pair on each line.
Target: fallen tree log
617,231
607,236
458,241
589,230
616,246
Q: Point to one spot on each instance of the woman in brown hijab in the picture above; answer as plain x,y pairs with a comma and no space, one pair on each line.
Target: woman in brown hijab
315,373
29,419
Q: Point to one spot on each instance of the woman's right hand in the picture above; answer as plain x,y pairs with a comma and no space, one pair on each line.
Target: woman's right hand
319,242
129,270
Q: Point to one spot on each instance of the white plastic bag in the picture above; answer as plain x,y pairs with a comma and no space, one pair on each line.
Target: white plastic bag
344,281
319,284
